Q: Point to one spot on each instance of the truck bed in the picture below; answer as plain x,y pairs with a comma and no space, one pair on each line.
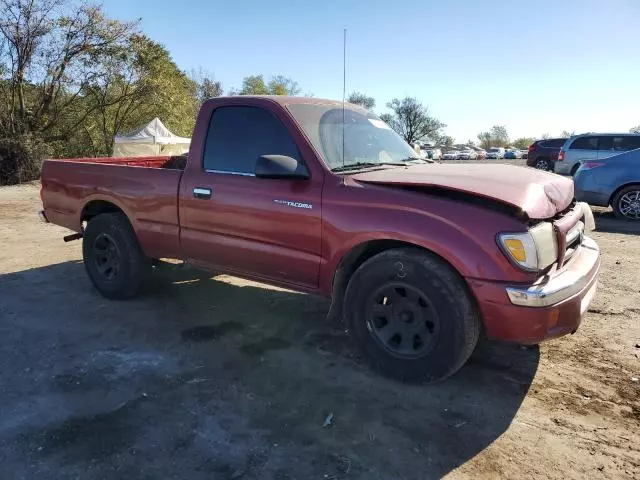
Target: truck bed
144,188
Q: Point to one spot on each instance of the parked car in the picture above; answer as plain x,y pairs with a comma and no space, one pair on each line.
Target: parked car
512,154
451,155
524,153
418,257
434,153
543,154
467,154
611,181
496,152
589,147
482,154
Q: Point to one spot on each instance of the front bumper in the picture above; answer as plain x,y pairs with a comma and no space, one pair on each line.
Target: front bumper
562,286
549,308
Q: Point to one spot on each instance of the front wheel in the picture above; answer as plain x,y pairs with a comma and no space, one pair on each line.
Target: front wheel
411,315
112,256
626,203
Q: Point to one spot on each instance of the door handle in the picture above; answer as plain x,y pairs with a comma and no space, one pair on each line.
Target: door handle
202,193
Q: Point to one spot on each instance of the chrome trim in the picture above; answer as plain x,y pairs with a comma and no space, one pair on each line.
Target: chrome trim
202,191
576,231
227,172
565,284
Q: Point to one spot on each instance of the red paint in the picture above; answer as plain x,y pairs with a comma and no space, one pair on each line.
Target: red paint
243,231
539,194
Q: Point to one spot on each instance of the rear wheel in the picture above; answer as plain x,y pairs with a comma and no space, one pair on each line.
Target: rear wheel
411,315
543,164
112,256
626,203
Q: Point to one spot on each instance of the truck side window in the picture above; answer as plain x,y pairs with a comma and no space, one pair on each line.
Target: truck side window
237,136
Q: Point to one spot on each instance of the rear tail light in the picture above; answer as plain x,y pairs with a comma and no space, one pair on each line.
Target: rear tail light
532,147
561,155
590,165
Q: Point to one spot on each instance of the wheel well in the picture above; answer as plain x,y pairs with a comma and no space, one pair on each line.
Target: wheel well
613,195
97,207
350,263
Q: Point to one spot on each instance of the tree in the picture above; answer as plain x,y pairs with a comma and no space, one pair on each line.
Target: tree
635,129
278,85
545,136
411,120
445,141
523,142
363,100
205,86
567,133
496,137
140,83
52,51
281,85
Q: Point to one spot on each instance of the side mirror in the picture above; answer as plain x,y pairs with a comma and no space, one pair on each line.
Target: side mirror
280,166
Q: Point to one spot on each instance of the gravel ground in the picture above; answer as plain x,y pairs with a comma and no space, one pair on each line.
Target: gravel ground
221,378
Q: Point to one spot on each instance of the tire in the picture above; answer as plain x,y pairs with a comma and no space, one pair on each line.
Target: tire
436,315
543,164
626,203
112,257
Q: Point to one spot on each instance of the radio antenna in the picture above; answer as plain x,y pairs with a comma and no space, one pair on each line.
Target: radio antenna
344,87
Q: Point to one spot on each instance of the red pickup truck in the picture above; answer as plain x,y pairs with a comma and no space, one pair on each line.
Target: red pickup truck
418,257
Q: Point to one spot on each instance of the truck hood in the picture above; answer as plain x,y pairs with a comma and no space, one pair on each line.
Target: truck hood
539,194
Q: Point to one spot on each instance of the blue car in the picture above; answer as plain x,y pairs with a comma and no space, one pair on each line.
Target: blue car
611,181
513,154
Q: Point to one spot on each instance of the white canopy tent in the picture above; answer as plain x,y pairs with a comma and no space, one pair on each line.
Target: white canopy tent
151,139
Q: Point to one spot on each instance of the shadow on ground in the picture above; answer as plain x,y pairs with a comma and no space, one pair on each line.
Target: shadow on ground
607,222
203,378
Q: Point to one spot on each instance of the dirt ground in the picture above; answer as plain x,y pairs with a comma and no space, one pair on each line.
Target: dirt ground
221,378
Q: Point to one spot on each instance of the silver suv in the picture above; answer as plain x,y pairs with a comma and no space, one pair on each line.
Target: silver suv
589,146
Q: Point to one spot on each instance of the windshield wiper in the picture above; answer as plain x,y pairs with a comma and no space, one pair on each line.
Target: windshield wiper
357,165
413,159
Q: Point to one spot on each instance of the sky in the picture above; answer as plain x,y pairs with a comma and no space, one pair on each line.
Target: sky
536,66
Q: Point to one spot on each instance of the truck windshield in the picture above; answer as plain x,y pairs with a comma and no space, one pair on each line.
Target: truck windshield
368,141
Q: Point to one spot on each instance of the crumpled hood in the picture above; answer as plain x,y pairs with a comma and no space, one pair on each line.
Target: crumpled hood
537,193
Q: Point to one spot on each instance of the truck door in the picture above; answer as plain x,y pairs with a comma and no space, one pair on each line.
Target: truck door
233,221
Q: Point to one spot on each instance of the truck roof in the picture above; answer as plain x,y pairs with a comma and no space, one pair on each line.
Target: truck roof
288,100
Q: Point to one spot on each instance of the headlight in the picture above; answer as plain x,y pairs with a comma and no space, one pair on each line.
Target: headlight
533,250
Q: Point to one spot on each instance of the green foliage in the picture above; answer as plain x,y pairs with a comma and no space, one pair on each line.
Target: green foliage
523,143
412,121
496,137
278,85
21,158
363,100
446,141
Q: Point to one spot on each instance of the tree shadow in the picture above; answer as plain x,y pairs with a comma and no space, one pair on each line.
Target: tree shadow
218,378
